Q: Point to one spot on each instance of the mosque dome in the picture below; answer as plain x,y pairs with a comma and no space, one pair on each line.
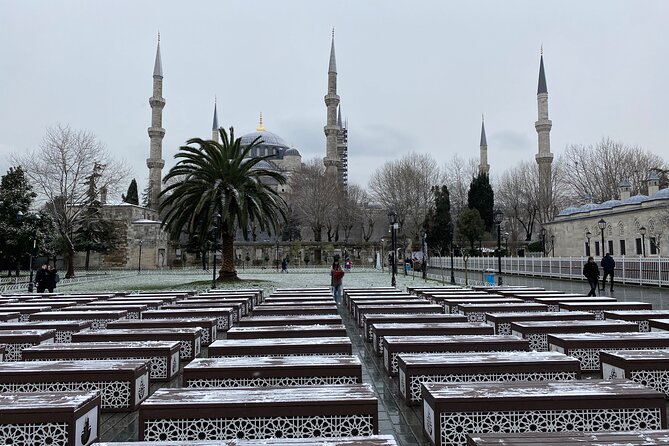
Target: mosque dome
269,144
587,208
609,204
661,194
291,152
568,211
636,199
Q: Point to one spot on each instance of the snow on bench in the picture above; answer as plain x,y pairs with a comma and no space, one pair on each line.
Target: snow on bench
536,332
206,324
381,330
281,347
286,331
501,322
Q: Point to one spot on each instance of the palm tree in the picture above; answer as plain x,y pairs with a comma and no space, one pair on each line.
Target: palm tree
218,181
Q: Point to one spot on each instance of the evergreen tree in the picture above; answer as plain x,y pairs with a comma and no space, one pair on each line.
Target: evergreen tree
470,226
132,196
95,233
438,223
146,195
16,234
482,198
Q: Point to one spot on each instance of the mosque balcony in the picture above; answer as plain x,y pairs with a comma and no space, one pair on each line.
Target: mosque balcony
543,125
331,100
156,132
157,102
153,163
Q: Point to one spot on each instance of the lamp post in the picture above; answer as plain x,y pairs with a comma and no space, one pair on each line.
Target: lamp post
423,236
450,231
543,241
506,243
642,231
602,225
587,246
392,219
33,218
276,255
552,245
498,216
217,223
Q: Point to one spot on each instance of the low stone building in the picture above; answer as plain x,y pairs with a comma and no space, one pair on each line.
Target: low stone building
633,225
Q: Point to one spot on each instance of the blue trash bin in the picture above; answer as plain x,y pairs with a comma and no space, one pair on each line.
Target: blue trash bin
489,277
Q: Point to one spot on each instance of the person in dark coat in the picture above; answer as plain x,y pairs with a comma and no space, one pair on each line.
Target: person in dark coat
52,278
591,272
336,280
608,265
42,278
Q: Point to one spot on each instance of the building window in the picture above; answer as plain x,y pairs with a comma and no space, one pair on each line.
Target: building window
653,245
586,248
611,247
639,250
597,249
622,248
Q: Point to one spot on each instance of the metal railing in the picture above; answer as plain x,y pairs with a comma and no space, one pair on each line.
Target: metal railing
650,271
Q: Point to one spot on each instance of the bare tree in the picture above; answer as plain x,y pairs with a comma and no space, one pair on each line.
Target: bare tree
312,197
404,186
350,209
58,170
596,170
458,174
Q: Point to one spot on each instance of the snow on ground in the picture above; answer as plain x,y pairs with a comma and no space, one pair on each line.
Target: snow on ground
266,279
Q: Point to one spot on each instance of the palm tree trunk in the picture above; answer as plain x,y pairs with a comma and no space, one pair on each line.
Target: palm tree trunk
227,272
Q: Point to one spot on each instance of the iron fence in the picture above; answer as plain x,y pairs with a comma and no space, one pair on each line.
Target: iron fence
650,271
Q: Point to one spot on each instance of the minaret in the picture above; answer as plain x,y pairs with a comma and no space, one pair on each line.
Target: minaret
484,167
331,160
155,162
214,125
544,156
342,150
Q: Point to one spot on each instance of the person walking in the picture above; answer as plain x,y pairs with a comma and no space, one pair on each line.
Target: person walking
284,265
41,278
591,272
608,265
52,278
336,279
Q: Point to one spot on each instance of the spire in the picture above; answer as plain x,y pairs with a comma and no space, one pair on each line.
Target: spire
214,125
542,76
158,65
260,127
484,141
333,61
339,116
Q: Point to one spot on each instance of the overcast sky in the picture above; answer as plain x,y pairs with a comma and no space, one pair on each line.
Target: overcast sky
412,75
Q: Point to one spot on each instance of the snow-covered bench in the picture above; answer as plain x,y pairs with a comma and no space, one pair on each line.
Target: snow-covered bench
501,322
554,301
415,369
64,329
163,355
476,312
236,308
372,440
248,413
25,310
123,384
631,438
97,318
598,309
536,332
383,318
286,331
207,324
223,316
399,299
50,418
451,411
285,310
394,345
641,317
419,307
15,341
245,303
381,330
452,304
586,347
281,347
189,338
260,321
273,371
647,367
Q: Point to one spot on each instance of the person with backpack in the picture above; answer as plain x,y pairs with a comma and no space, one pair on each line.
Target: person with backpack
608,265
52,278
42,278
591,272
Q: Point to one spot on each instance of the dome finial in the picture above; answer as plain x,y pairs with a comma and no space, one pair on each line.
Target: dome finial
542,49
260,127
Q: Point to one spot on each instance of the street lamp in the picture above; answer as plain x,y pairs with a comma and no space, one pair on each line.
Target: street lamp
543,241
642,231
602,225
34,218
423,235
217,223
587,246
392,219
498,216
450,234
552,245
506,243
276,255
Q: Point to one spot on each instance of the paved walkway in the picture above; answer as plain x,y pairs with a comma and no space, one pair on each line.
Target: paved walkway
395,417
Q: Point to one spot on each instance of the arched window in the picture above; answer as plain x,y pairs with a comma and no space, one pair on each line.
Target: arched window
621,229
